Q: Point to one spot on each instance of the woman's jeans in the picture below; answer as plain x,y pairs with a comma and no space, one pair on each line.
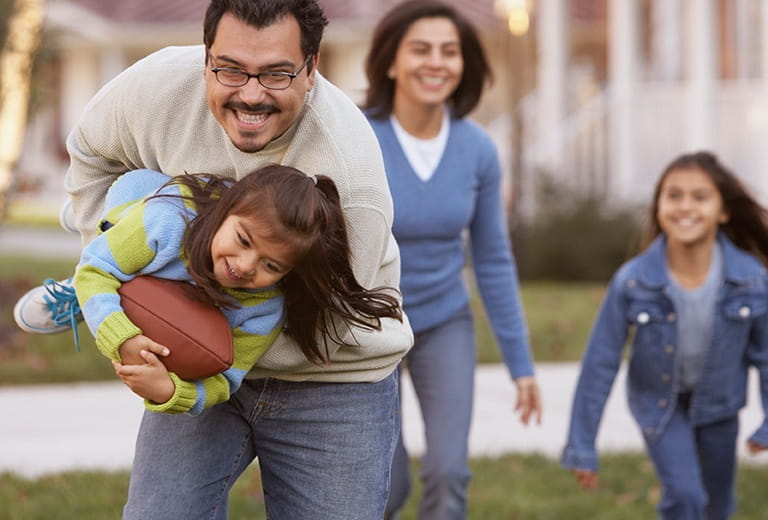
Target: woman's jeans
442,367
696,466
324,452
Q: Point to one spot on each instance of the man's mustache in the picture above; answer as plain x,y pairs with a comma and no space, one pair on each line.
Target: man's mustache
245,107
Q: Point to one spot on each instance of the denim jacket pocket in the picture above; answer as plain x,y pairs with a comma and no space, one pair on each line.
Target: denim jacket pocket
648,319
745,307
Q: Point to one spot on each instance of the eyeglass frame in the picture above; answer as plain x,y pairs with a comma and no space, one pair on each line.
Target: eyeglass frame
248,75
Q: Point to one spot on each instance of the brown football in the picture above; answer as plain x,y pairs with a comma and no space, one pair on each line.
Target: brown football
174,314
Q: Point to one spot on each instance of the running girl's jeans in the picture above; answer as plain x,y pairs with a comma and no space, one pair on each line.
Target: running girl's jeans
696,466
324,452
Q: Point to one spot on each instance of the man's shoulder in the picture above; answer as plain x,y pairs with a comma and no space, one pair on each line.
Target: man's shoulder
164,70
184,55
334,109
332,121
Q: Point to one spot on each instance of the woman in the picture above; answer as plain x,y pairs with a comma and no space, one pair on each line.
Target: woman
426,71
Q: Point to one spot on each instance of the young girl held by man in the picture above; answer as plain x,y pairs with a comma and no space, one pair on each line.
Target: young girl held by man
271,250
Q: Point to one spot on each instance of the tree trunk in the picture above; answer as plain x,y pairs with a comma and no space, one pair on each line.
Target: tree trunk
16,60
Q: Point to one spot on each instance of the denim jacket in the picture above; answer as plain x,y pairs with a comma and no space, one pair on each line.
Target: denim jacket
638,302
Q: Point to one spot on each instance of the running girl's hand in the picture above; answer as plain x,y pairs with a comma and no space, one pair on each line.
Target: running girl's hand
587,479
149,380
528,399
130,350
755,448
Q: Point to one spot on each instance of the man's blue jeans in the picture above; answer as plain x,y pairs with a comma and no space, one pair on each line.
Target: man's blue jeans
324,452
696,466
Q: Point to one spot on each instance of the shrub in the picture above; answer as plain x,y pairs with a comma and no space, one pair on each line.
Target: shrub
574,237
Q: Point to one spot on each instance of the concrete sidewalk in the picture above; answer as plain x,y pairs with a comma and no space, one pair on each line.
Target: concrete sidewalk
55,428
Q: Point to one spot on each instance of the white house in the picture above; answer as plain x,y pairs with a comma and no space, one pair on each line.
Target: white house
598,94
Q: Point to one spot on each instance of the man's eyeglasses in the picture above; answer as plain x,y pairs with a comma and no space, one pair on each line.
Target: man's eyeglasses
277,80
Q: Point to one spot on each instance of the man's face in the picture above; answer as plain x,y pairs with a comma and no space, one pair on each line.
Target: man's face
253,115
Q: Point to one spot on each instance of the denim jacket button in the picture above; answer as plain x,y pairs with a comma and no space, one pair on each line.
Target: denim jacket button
631,283
671,317
662,403
648,430
669,349
744,312
643,318
666,378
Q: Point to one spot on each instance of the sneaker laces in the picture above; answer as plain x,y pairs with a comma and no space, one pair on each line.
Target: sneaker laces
62,303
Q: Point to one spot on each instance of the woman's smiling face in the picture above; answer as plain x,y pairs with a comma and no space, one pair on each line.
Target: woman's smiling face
428,65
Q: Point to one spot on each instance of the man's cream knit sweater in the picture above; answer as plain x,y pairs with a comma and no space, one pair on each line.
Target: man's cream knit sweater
154,115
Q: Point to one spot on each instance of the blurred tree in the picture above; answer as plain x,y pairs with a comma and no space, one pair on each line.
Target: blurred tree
21,25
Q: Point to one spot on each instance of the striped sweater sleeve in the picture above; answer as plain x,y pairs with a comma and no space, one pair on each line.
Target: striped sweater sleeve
255,325
144,239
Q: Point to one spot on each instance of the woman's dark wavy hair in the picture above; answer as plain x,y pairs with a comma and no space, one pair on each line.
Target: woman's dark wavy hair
263,13
387,37
747,224
321,289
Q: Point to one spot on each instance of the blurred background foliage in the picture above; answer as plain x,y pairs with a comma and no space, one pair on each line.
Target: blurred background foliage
575,237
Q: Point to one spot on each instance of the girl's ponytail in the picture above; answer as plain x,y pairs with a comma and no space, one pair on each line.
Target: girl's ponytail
322,293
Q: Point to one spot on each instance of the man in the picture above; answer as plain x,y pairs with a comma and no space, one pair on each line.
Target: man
324,434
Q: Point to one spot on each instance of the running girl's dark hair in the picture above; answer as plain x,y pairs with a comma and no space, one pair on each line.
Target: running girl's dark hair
304,212
747,224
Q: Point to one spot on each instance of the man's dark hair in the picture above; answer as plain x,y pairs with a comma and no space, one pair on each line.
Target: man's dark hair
263,13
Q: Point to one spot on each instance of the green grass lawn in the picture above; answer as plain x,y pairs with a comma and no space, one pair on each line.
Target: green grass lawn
525,487
513,487
31,358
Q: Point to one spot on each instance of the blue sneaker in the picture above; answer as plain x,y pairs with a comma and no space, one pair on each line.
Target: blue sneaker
49,309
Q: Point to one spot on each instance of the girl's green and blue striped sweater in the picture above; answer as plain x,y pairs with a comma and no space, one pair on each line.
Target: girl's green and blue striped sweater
145,237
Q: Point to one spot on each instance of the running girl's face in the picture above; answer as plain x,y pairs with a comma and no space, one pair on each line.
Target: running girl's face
246,255
428,64
690,208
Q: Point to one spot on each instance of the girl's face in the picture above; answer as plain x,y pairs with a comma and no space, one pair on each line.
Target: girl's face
245,255
690,208
428,64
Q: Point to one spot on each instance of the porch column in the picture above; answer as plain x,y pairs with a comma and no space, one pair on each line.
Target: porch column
622,75
666,40
701,53
551,81
761,180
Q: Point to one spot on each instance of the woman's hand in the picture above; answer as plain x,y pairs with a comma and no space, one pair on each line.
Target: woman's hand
587,479
755,448
528,399
149,380
129,351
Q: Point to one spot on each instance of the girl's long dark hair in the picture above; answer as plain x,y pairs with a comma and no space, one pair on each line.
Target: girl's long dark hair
747,224
321,292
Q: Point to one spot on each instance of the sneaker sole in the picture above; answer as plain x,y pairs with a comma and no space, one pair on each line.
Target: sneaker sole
30,328
64,213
